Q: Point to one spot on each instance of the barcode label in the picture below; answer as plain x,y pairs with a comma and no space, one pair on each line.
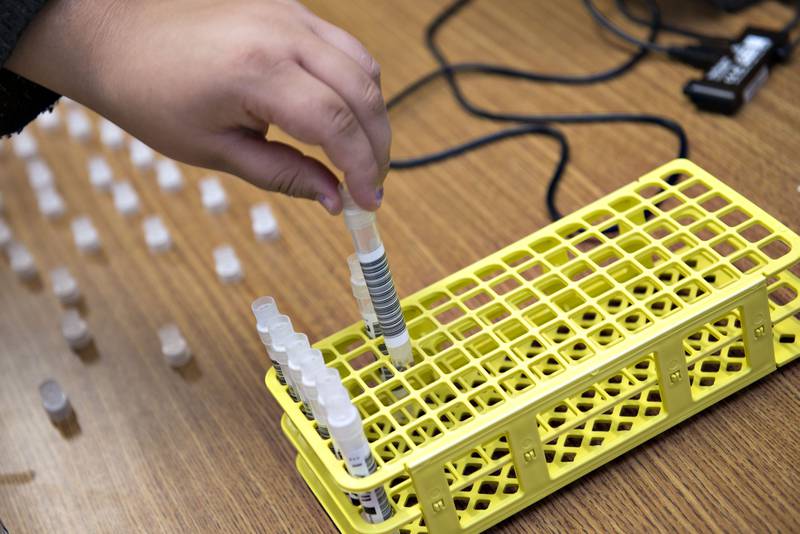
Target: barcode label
383,294
279,373
375,502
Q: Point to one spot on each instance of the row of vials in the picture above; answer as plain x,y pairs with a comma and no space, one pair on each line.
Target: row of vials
322,398
317,388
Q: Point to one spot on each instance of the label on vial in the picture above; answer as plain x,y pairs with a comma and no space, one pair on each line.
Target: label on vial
375,502
382,292
373,328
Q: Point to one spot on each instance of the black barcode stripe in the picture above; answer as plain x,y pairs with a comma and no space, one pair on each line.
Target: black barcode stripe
279,373
384,296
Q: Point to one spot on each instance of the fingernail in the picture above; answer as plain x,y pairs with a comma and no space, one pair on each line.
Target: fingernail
379,195
326,202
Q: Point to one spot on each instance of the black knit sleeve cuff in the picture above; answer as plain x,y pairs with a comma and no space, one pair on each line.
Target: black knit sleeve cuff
21,100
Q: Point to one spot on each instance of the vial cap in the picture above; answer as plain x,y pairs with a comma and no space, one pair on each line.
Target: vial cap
228,266
100,174
55,401
142,156
213,195
126,200
50,202
156,234
264,308
86,237
173,346
169,175
39,174
64,285
75,330
21,260
264,224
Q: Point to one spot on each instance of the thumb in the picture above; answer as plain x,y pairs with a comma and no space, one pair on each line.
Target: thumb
283,169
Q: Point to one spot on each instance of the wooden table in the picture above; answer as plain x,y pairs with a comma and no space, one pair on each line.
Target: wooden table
200,450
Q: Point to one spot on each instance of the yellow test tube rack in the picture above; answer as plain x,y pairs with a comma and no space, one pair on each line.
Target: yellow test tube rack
558,353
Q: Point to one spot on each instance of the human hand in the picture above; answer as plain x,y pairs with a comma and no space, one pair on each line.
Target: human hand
202,80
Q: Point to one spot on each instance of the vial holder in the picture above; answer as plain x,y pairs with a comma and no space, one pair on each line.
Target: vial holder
560,352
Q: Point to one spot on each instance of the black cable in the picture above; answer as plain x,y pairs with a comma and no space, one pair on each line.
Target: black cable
528,129
497,70
589,118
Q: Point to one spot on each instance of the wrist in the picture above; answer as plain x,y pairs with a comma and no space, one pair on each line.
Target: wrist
67,48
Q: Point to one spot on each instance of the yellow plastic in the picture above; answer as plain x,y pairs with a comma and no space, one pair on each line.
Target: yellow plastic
560,352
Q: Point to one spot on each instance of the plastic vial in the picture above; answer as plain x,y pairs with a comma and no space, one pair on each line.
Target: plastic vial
173,346
55,401
6,235
126,200
25,145
344,424
375,269
50,202
49,120
298,350
265,309
111,135
313,376
21,260
280,330
292,346
213,195
169,176
100,174
228,266
75,330
39,174
265,226
78,124
64,286
142,156
85,234
329,388
156,234
361,294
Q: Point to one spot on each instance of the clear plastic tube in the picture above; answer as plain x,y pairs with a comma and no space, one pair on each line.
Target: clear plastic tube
375,269
347,431
361,293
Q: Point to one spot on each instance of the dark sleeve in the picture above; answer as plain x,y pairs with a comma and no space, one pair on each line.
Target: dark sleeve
21,100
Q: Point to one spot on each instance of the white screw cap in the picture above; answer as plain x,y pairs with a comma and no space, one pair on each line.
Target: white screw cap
174,346
264,224
25,145
228,266
213,195
111,135
78,124
100,174
50,202
75,330
55,401
142,156
21,260
169,176
156,234
85,234
39,174
126,200
64,286
49,121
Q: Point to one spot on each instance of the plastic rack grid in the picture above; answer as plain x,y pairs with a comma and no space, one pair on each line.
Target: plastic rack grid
560,352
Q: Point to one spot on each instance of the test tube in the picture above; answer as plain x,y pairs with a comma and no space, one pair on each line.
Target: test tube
361,294
314,378
293,345
375,269
280,329
344,424
301,356
329,386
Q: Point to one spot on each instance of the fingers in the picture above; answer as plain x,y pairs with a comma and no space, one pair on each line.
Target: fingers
310,111
346,43
278,167
361,93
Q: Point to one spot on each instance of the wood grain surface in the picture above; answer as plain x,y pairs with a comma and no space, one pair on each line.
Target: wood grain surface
200,450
